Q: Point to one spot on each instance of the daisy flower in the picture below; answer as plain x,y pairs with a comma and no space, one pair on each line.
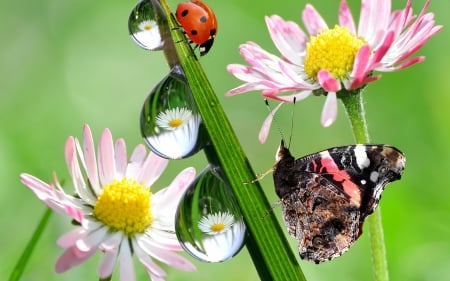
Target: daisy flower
172,119
148,35
116,211
223,237
179,136
216,223
329,60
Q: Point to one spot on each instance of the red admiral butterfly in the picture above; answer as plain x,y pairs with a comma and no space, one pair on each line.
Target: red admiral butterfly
327,195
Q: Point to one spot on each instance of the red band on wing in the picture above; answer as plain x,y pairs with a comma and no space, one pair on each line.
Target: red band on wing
341,176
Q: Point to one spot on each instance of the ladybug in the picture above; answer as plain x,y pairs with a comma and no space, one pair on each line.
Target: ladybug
199,22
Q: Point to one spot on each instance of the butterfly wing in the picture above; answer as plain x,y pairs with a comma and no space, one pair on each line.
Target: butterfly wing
327,195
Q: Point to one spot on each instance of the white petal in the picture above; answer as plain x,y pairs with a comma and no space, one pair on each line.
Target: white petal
136,160
152,169
70,238
120,158
75,172
329,111
90,158
126,270
106,163
93,239
106,267
265,128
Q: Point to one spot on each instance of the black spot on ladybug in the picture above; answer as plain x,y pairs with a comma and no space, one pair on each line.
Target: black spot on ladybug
203,19
184,13
194,32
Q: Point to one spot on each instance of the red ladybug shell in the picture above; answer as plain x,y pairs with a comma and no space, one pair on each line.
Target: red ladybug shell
199,22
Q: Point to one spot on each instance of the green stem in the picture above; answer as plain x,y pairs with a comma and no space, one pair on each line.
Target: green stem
266,241
353,103
23,260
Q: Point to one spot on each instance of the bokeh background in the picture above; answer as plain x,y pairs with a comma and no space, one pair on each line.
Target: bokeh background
67,63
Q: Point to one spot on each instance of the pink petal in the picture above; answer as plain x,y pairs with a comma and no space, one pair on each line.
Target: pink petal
299,84
152,268
327,81
381,51
107,264
359,67
70,258
346,18
75,172
90,158
329,112
169,197
42,190
121,158
70,238
403,65
93,239
126,270
287,37
152,169
74,213
136,160
247,87
244,73
265,129
168,257
163,234
313,21
298,96
112,242
106,164
374,17
56,200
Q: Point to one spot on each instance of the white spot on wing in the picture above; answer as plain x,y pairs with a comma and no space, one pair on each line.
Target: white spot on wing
361,157
374,176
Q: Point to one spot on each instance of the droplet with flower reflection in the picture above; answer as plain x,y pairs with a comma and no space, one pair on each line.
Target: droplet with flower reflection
170,123
144,26
209,223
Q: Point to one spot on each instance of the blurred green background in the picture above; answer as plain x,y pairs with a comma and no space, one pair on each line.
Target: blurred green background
66,63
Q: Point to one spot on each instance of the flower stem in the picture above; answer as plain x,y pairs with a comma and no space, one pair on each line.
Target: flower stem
266,241
353,103
22,262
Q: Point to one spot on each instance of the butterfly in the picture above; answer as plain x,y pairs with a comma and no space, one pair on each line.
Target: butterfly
326,196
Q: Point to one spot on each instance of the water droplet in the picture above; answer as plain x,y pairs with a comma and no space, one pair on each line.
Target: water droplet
209,223
144,26
170,122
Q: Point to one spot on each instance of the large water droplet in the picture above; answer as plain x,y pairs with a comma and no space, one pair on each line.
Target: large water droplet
209,223
170,122
144,26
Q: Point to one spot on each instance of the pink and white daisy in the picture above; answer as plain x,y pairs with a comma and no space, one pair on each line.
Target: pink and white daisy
330,60
115,208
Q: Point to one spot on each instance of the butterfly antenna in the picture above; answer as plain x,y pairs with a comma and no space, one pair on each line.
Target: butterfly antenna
274,120
292,122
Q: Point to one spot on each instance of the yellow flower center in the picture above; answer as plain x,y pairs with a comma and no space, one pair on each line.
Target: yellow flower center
217,227
124,206
148,26
333,50
174,123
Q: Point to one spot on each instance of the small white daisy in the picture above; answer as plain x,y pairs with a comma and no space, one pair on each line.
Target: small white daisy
174,118
147,25
181,139
117,213
224,236
148,35
216,223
